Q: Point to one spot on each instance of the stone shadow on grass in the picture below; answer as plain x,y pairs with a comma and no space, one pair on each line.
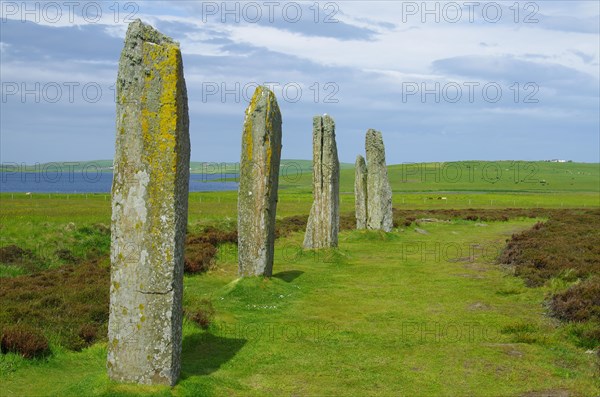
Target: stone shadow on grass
289,275
204,353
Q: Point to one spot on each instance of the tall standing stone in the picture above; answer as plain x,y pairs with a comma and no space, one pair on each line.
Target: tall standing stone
323,221
379,192
360,192
149,210
259,181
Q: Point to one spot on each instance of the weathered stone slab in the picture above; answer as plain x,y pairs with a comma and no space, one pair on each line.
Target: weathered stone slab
259,182
149,210
323,221
360,192
379,192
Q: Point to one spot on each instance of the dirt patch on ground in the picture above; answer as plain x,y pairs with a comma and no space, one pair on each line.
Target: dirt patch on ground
548,393
408,217
509,349
478,267
479,306
470,275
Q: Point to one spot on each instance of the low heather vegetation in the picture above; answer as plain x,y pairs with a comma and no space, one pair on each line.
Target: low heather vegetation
566,247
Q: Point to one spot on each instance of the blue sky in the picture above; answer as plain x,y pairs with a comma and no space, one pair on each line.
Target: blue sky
450,82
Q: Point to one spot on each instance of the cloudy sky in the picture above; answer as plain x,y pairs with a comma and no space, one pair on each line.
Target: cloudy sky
442,80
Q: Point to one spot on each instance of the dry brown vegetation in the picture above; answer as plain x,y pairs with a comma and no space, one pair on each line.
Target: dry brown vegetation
16,256
203,314
581,302
24,340
58,302
565,246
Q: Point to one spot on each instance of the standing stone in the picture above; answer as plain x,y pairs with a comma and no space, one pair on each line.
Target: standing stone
360,192
323,221
379,192
259,181
149,210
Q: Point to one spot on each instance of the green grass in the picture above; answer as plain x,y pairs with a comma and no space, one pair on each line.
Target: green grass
386,314
375,317
474,176
44,223
11,271
457,176
498,176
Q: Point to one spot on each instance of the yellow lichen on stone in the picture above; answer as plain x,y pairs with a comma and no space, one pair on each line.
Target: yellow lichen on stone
248,124
269,153
248,138
160,118
168,255
165,62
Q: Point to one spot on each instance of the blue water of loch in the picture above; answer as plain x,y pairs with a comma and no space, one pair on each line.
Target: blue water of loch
81,182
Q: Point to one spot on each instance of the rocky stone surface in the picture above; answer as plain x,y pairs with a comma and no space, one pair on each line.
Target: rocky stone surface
379,192
149,210
360,192
323,221
259,181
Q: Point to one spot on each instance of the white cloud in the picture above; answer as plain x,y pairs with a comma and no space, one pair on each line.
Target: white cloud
413,51
369,54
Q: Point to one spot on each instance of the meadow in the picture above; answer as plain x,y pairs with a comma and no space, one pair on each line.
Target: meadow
425,310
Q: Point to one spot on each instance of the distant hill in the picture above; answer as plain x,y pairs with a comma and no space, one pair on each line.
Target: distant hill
65,166
457,176
497,176
474,176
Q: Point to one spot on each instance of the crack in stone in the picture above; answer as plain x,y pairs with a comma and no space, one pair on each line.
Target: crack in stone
154,292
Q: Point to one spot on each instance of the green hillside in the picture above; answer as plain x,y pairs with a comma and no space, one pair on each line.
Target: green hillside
477,176
458,176
58,166
509,176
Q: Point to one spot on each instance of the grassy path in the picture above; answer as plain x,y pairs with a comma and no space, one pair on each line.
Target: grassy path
405,313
